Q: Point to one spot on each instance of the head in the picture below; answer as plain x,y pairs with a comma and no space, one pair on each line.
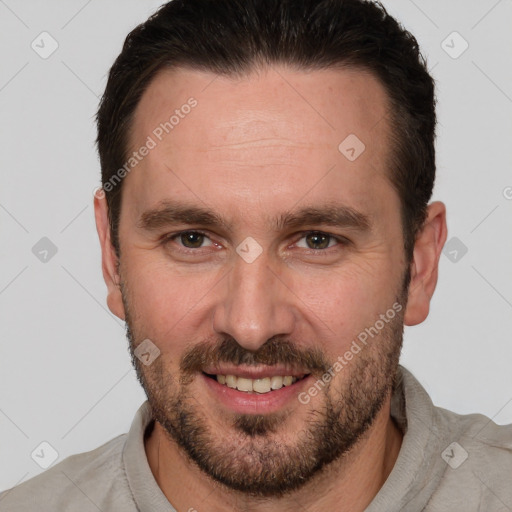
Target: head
266,170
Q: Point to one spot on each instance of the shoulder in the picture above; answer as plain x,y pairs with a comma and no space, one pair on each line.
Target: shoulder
83,481
465,461
478,435
478,459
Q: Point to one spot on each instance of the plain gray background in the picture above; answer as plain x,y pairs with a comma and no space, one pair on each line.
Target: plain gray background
65,371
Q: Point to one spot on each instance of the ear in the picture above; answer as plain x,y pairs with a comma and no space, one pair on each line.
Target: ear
109,260
424,266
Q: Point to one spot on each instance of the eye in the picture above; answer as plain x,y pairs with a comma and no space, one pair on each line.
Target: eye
316,240
190,239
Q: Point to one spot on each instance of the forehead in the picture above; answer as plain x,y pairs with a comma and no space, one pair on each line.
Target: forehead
276,132
325,102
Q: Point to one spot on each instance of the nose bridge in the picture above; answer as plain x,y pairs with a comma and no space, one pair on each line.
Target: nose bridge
254,306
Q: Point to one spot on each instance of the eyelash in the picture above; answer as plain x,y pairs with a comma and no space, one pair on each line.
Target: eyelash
341,241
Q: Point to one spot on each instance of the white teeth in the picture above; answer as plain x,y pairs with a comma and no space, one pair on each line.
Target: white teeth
264,385
261,385
276,382
230,381
244,384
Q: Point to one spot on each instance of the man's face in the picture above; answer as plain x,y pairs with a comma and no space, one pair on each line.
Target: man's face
302,253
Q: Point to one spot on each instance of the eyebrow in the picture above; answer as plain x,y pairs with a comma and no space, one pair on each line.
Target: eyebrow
169,213
173,212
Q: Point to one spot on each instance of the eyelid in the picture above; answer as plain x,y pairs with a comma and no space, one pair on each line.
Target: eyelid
341,240
170,237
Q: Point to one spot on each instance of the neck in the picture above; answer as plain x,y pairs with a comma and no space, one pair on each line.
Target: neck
348,484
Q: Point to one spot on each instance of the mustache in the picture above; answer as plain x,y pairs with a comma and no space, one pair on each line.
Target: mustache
275,351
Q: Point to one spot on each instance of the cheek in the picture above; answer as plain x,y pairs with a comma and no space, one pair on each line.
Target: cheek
165,301
341,303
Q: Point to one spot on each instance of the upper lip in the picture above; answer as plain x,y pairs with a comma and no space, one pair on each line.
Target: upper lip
255,372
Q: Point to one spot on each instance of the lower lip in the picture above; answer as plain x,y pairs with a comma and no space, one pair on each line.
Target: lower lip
255,403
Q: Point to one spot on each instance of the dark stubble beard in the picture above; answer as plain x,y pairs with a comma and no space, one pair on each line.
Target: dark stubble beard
245,452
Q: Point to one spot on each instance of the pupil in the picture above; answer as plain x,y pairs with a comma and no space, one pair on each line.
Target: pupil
191,239
319,240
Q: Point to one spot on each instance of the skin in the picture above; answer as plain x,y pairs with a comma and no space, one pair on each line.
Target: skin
251,150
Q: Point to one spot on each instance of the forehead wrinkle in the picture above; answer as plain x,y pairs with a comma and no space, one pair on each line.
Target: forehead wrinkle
261,141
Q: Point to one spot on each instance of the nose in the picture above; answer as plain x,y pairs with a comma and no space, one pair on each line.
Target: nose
255,304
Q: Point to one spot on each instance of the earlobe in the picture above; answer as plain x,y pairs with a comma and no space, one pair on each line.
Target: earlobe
424,266
109,260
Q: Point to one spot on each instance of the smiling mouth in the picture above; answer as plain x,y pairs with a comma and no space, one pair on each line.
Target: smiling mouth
260,386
